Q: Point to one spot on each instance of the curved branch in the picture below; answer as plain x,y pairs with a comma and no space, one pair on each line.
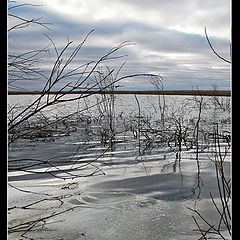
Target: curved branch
224,59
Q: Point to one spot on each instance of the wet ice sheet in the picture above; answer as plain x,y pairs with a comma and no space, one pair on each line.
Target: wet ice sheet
139,197
132,204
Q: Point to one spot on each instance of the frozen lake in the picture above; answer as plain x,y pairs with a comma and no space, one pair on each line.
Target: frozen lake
133,182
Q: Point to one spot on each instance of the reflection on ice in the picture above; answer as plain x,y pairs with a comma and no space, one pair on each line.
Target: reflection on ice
133,185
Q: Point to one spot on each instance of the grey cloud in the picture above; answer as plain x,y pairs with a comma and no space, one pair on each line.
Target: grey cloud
153,43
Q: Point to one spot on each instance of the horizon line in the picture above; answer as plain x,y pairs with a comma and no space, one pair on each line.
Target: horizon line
226,93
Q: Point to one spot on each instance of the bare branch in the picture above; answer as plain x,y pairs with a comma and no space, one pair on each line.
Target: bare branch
224,59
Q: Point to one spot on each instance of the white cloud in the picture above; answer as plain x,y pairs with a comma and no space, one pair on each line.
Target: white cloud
185,15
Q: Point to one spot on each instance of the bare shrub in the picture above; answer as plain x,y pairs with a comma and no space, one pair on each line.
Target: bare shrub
222,205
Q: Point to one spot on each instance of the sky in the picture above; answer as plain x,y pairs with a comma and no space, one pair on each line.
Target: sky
167,38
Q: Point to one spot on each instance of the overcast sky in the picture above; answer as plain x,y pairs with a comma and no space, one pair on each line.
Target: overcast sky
168,35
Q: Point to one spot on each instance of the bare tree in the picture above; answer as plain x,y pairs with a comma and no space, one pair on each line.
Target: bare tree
66,77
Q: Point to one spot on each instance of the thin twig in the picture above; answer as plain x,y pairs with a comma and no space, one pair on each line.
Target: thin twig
224,59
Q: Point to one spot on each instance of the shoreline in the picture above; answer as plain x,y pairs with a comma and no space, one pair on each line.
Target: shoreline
223,93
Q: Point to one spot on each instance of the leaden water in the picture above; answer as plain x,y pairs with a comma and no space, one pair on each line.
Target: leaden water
137,185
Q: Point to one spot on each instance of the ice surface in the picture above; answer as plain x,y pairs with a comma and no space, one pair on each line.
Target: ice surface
138,197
